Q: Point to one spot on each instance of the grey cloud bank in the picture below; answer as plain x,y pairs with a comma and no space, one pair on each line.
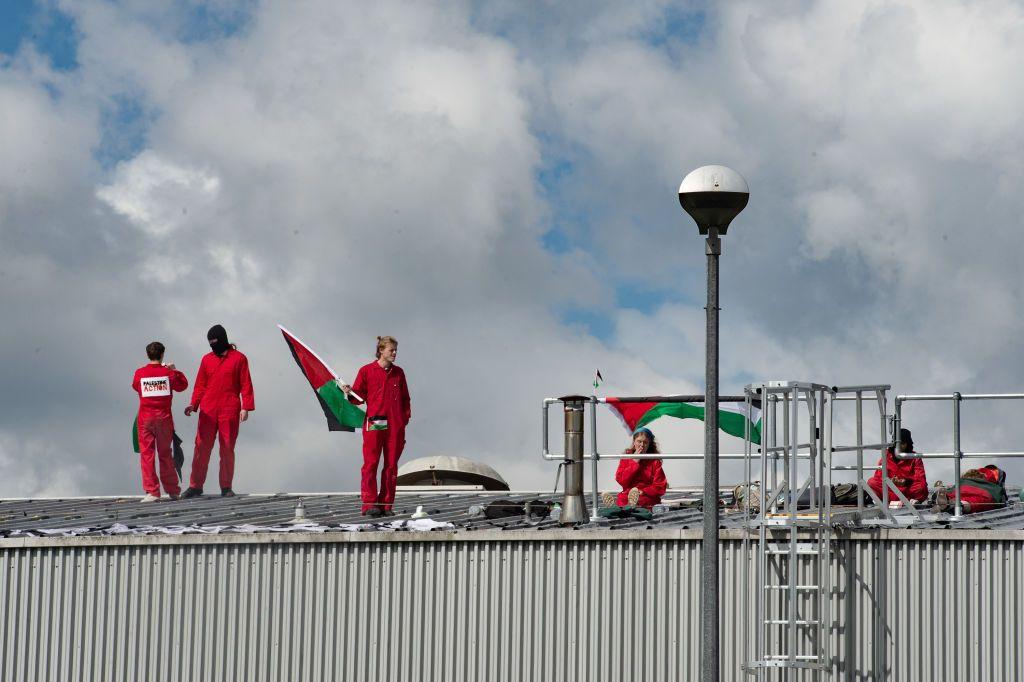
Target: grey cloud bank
356,171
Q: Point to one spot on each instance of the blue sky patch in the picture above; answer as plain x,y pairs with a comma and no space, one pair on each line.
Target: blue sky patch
125,126
678,25
51,31
203,24
643,297
596,323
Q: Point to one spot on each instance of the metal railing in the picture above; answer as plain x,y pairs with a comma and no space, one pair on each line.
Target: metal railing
595,456
857,394
957,454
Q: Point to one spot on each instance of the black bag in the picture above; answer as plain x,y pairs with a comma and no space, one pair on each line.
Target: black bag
847,493
503,509
179,454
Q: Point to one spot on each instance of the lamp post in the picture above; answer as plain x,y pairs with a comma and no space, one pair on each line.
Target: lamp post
713,196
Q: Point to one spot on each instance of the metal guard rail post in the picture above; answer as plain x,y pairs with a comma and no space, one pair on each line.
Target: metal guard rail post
957,455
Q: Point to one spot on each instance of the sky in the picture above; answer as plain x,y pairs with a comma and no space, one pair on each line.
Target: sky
494,184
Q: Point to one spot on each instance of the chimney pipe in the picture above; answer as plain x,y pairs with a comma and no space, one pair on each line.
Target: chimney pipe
574,510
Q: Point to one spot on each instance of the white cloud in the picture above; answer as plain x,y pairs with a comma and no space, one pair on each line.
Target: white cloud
351,173
836,217
157,195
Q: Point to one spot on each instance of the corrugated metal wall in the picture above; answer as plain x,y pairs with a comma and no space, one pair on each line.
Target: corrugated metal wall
496,610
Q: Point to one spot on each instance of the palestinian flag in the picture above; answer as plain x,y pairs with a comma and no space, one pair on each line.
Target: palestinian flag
178,454
341,414
732,417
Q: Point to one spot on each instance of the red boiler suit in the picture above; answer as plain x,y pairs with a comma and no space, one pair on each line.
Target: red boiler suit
155,383
387,395
645,474
983,495
916,487
219,383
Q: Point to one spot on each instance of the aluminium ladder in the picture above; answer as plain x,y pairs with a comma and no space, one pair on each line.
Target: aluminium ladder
787,541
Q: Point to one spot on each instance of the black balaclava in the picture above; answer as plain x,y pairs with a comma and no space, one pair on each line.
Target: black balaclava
218,338
905,437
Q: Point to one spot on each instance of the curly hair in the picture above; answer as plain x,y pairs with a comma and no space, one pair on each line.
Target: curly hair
652,447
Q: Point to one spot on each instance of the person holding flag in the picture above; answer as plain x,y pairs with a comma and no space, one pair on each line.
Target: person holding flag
382,386
155,383
223,397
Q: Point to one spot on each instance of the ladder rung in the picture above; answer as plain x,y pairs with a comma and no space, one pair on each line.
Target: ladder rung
801,548
813,664
786,622
870,447
785,521
783,657
786,587
854,468
806,516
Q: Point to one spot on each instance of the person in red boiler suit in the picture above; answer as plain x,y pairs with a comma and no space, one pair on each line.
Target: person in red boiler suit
155,382
382,385
223,397
643,480
907,474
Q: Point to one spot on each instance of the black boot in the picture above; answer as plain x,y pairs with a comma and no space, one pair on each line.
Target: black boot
227,492
192,492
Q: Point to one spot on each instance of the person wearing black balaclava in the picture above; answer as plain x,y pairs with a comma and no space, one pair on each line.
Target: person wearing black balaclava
223,398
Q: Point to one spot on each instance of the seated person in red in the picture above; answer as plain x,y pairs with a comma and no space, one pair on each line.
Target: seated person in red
643,480
980,490
906,473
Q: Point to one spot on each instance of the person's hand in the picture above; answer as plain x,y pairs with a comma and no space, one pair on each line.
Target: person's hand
189,411
345,388
638,449
243,415
899,481
170,365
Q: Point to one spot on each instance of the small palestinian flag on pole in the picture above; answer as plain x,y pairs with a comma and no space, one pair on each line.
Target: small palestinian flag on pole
598,379
341,414
732,417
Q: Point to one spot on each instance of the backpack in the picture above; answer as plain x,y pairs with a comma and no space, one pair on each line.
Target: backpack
503,509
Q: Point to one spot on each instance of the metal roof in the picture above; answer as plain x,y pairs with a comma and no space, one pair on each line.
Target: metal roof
21,516
328,509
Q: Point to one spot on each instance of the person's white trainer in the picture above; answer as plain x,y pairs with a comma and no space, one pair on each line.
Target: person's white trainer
150,498
634,496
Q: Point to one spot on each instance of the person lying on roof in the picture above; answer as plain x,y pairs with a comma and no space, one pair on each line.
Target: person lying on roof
643,480
906,472
980,490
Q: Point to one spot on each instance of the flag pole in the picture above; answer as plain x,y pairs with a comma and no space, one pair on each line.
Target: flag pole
324,362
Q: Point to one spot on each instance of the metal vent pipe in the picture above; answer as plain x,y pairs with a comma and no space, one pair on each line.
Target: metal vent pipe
574,509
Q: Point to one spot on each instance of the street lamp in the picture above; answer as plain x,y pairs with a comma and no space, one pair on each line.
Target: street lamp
713,196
